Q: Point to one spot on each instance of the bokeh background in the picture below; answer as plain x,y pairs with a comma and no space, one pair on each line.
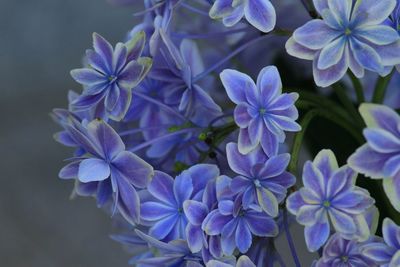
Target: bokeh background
40,41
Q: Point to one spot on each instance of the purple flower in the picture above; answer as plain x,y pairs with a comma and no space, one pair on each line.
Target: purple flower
385,254
243,261
342,252
196,211
394,22
174,253
347,37
234,223
262,181
180,69
164,126
108,166
111,74
166,212
328,192
379,158
259,13
394,18
263,113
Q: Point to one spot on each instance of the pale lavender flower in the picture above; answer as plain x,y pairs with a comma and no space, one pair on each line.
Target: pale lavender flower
379,158
349,35
259,13
329,192
263,113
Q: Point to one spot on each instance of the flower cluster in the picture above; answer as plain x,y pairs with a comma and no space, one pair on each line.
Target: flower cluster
196,160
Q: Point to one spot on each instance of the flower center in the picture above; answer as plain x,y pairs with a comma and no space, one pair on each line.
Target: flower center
345,259
180,210
262,111
347,32
326,203
241,213
112,78
257,183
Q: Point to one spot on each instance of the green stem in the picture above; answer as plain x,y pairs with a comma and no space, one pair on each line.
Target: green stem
305,122
357,87
344,99
380,88
218,135
320,101
298,140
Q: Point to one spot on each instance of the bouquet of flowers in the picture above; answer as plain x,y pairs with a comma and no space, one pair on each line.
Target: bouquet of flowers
187,137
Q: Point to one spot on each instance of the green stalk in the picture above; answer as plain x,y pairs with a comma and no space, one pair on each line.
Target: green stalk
320,101
298,140
380,88
357,87
305,122
344,99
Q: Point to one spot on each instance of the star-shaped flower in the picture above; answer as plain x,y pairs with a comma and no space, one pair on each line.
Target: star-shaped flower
385,253
379,158
349,35
329,192
341,252
166,211
111,74
259,13
108,165
262,182
234,223
263,113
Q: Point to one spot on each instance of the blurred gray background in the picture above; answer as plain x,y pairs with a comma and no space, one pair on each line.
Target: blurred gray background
40,41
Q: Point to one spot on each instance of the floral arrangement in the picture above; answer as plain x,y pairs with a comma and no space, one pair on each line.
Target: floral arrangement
187,137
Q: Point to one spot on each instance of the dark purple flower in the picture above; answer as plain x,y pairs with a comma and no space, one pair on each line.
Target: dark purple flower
111,74
379,158
107,166
263,113
262,182
329,192
166,213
